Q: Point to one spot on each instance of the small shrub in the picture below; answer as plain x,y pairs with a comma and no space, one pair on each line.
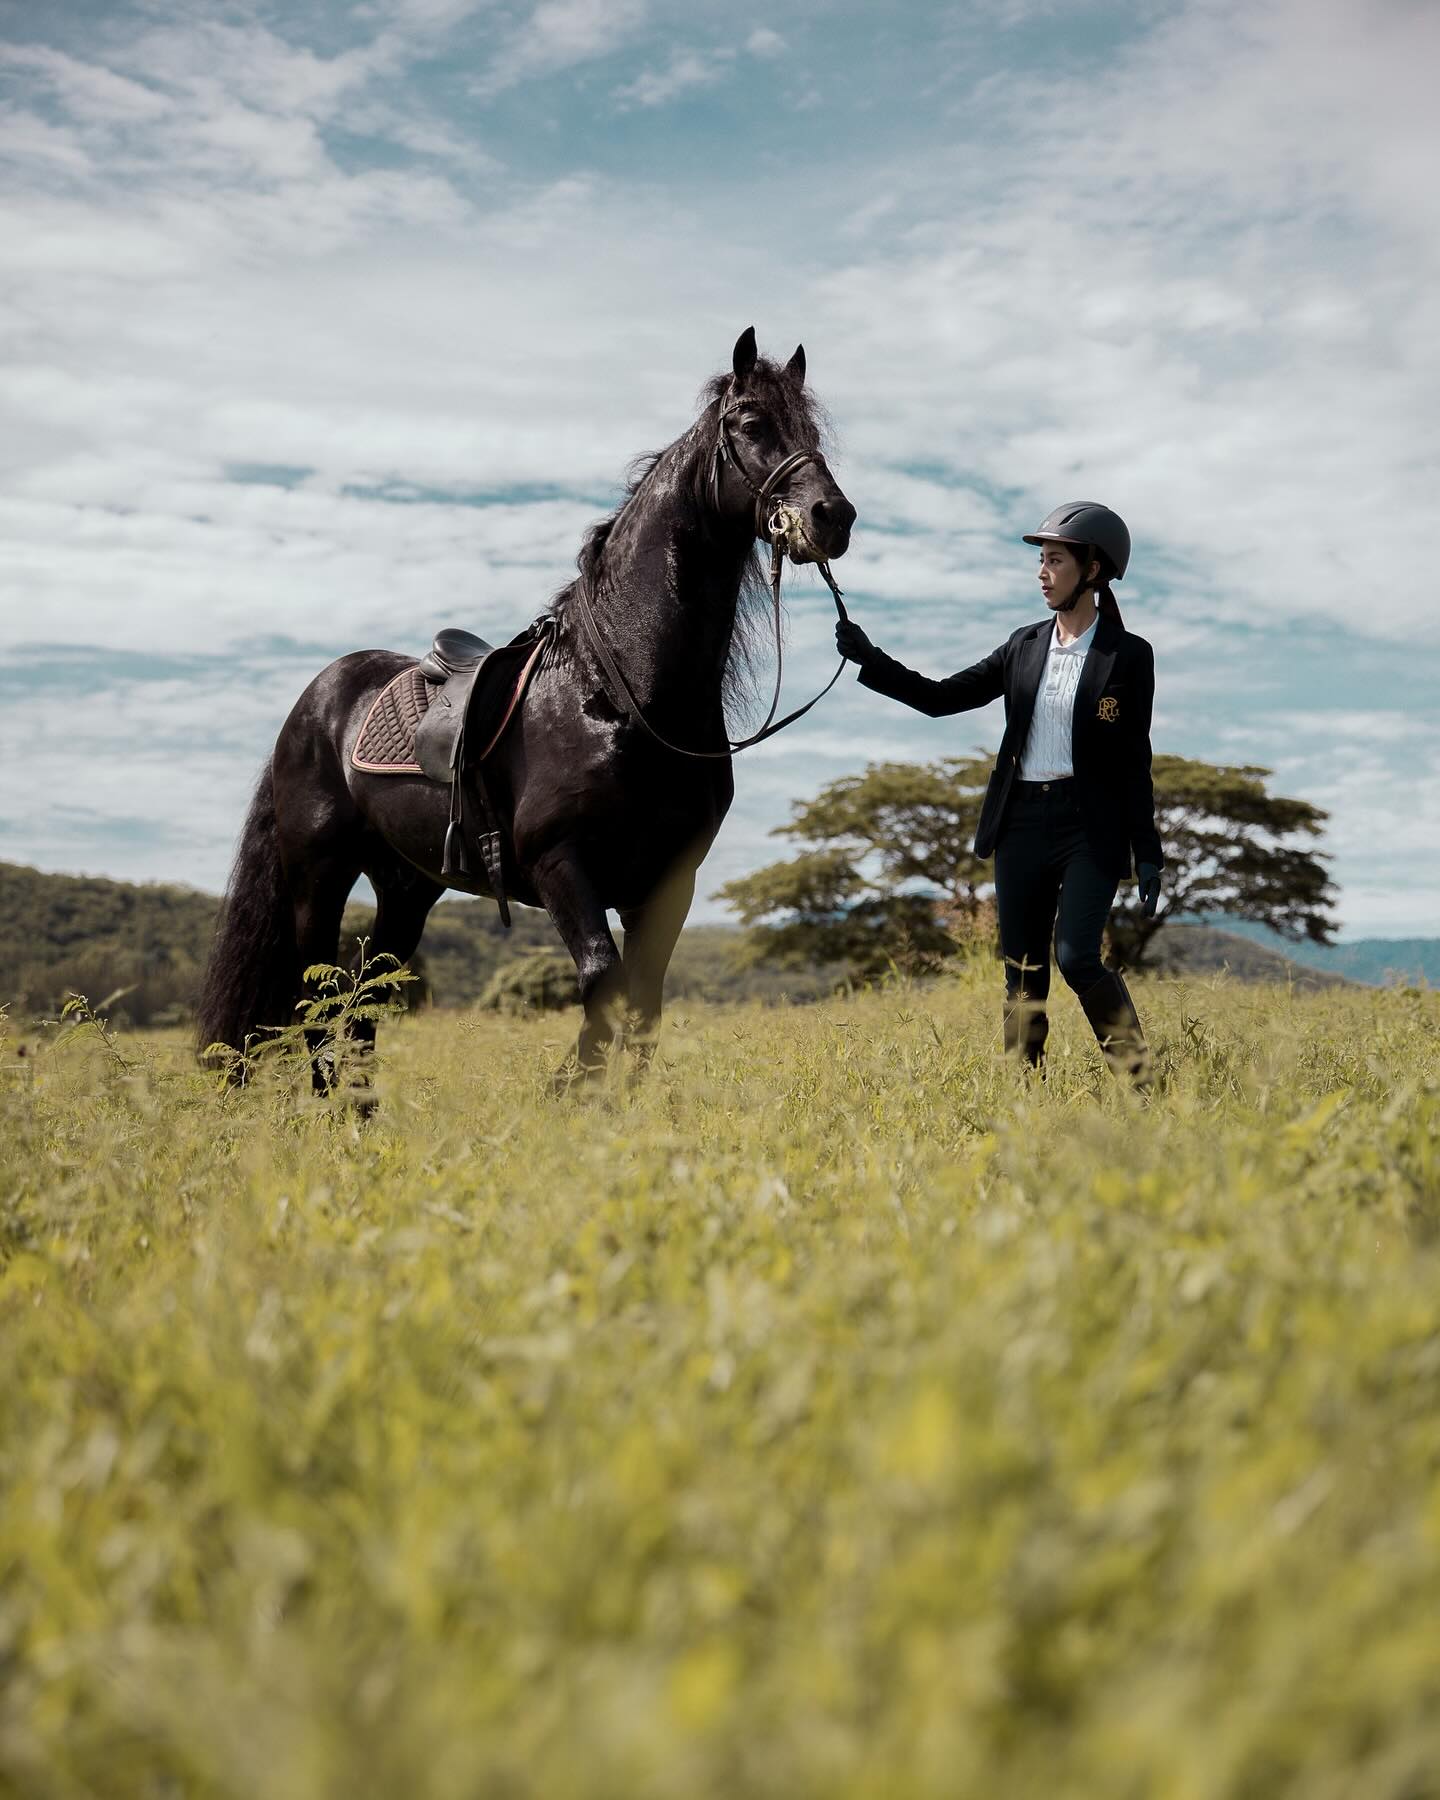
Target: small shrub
543,981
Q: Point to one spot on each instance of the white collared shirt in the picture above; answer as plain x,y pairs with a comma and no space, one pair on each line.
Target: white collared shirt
1047,756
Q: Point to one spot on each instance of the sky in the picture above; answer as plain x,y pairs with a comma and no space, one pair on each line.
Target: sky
324,325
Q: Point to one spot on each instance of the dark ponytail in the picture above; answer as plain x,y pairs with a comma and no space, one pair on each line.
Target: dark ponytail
1105,603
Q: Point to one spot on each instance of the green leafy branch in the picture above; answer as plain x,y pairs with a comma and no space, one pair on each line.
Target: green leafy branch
79,1018
336,1000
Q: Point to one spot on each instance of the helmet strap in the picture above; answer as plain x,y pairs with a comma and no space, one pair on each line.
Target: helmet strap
1073,599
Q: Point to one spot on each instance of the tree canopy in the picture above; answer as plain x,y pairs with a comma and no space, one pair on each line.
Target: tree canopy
1231,848
887,876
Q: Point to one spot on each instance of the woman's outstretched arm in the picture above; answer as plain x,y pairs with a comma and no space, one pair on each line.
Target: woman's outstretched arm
976,686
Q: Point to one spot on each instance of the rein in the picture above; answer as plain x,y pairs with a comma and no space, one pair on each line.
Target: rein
773,523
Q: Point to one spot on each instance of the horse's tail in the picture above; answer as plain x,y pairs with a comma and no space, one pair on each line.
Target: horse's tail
252,977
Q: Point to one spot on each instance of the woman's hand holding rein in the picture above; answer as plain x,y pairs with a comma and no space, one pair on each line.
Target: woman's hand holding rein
852,642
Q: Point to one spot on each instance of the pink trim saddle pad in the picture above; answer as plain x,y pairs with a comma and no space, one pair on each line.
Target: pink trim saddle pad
386,744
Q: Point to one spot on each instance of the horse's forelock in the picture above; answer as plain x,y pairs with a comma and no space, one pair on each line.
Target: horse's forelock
801,419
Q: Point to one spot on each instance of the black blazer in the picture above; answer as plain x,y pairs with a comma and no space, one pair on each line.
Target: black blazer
1111,731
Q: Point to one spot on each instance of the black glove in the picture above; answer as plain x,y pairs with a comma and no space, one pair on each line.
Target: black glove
1149,878
852,642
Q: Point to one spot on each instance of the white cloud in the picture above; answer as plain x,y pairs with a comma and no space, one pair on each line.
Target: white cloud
190,102
686,69
424,136
202,60
560,34
1196,304
1288,106
764,42
24,138
88,89
429,17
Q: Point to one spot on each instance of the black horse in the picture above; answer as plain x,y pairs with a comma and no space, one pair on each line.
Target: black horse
595,810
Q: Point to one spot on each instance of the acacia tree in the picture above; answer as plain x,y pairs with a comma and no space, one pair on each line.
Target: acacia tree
888,876
1226,852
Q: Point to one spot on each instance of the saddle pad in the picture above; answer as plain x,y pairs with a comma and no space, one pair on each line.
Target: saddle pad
386,744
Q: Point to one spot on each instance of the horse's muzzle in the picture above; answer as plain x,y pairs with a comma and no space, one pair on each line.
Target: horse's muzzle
820,538
829,525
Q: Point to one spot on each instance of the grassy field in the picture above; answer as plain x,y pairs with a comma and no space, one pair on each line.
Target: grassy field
837,1413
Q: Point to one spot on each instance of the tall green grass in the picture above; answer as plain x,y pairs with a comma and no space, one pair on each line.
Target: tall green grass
837,1412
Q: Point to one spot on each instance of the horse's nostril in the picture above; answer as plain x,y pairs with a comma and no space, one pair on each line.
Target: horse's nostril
838,511
835,514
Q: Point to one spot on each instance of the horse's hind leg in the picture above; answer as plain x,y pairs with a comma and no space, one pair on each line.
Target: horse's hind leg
319,890
403,898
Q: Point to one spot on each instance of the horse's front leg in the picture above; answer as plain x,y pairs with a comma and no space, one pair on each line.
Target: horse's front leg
651,932
569,896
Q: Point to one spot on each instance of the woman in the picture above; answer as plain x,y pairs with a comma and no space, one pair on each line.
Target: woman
1070,798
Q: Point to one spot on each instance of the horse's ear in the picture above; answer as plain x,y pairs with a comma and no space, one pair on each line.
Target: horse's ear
796,364
746,352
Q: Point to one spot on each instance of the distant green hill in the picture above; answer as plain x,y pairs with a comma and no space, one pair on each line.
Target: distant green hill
1379,962
1203,949
63,934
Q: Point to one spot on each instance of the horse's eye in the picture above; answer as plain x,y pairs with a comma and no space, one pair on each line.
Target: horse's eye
753,427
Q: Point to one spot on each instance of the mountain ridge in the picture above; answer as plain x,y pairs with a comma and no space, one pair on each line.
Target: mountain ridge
1372,961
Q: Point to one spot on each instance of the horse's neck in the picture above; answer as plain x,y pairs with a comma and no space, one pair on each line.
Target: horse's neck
669,591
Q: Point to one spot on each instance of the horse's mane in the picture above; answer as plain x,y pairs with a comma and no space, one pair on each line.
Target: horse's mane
803,423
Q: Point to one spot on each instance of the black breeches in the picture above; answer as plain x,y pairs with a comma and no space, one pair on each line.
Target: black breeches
1048,883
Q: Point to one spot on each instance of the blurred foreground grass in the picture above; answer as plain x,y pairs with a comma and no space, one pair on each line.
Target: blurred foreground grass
836,1413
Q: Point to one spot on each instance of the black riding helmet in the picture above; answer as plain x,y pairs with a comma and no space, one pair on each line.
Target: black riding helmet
1086,522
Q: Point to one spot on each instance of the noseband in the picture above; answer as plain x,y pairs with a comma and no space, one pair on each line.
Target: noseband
771,524
768,523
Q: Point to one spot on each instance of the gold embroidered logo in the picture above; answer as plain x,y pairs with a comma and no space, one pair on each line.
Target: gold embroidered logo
1109,709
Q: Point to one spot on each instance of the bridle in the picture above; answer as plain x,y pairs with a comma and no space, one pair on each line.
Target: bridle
773,522
726,453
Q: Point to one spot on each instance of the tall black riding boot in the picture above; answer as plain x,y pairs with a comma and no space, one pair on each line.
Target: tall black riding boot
1116,1024
1026,1028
